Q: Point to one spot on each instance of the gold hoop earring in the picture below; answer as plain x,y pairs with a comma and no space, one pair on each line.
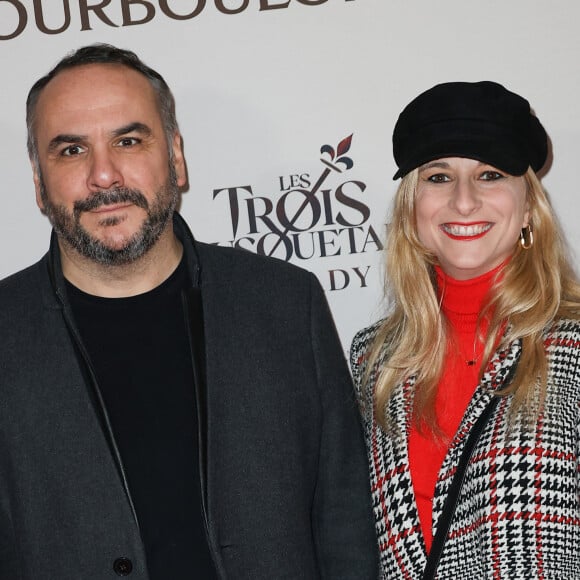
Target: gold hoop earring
527,237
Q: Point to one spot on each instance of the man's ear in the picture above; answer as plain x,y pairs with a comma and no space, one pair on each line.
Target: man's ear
179,159
37,184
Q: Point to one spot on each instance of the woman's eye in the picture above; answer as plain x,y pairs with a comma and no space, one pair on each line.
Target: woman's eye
491,175
438,178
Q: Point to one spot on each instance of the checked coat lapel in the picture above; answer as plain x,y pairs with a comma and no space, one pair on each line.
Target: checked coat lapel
400,539
496,376
393,497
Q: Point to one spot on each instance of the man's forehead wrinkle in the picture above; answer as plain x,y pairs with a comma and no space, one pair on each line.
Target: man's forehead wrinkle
99,97
74,119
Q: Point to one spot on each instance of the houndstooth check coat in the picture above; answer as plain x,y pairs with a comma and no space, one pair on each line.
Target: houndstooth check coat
518,513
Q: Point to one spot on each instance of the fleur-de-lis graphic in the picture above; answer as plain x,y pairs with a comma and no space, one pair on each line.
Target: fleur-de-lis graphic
337,157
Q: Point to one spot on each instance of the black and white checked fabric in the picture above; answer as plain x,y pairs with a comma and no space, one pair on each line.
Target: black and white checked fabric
518,513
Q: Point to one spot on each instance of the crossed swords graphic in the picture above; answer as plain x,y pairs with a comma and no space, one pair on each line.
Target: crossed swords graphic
336,157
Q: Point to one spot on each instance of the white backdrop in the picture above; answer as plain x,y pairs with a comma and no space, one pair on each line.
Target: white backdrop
261,89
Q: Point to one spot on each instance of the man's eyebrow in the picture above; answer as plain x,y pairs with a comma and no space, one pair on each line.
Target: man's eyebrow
135,127
65,138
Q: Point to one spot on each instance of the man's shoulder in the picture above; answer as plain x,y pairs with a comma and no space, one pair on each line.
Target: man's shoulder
22,286
244,263
23,278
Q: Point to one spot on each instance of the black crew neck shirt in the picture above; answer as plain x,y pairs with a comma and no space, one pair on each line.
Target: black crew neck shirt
140,352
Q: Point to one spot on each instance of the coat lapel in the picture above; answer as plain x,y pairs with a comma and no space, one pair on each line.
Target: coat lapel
496,376
394,503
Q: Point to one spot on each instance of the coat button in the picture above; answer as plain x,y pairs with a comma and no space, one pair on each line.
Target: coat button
123,566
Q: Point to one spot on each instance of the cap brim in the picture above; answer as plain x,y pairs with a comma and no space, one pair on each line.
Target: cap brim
500,153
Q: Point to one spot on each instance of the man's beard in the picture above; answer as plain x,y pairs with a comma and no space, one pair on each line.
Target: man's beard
68,227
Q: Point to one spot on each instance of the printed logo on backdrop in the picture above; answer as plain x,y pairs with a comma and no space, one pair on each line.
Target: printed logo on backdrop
57,16
312,217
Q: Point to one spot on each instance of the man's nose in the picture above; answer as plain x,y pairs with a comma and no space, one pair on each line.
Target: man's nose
104,172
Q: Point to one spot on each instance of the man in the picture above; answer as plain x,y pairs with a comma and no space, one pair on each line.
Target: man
169,409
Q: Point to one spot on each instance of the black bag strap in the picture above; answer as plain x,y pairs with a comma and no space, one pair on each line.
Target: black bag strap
444,522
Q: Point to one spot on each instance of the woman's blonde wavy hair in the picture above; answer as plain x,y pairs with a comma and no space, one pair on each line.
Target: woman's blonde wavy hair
537,287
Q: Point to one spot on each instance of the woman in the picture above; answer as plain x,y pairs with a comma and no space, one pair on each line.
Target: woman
470,387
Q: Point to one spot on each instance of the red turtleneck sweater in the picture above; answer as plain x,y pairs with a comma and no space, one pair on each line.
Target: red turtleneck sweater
461,303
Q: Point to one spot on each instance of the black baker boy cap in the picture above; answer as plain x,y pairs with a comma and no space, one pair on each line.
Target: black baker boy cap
482,121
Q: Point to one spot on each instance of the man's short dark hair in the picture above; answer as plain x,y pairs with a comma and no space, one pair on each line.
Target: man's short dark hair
103,54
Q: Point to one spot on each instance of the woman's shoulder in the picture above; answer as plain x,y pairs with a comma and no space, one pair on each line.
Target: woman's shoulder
362,347
364,338
564,332
562,344
360,351
368,333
